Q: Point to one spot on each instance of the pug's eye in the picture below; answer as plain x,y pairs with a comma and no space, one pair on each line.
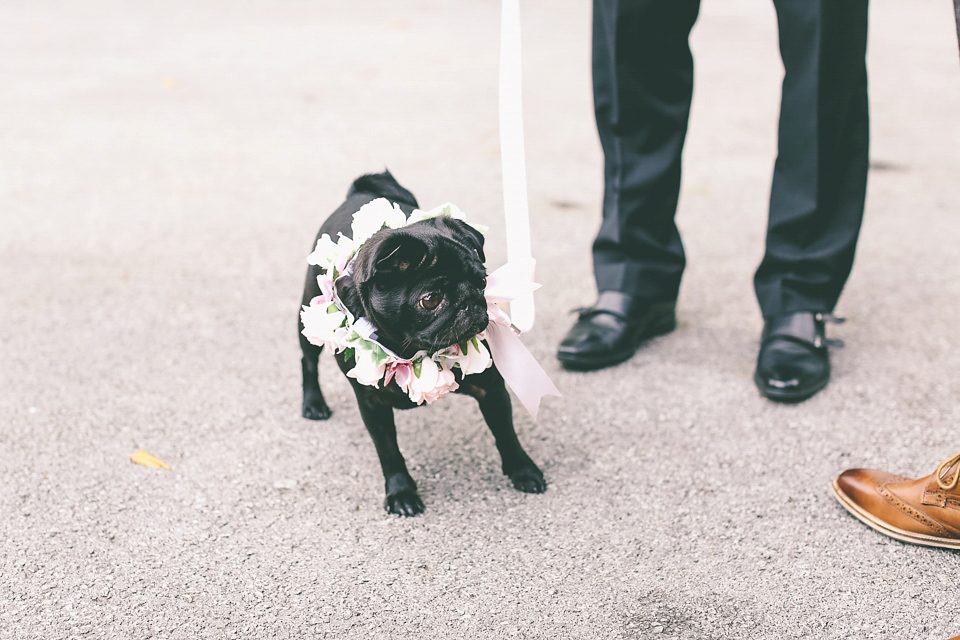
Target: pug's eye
430,301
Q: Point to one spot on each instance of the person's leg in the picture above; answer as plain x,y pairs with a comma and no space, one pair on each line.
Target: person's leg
956,7
819,186
820,176
642,82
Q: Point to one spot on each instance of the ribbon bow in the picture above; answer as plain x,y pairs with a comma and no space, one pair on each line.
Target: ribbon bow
520,370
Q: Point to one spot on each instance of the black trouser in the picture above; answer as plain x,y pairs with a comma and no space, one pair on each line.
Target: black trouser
956,6
643,81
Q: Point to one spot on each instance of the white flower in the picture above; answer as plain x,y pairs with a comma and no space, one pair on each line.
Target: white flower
447,209
475,360
366,370
376,215
325,253
333,256
324,327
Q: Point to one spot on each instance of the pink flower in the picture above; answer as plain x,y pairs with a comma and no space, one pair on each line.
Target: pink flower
402,371
326,287
341,261
367,371
432,383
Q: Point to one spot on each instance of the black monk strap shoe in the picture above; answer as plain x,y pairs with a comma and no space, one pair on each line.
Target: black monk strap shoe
610,331
793,363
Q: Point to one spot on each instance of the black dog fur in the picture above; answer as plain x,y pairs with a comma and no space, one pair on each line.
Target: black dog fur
395,269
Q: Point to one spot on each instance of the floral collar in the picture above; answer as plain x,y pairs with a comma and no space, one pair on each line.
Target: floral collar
425,377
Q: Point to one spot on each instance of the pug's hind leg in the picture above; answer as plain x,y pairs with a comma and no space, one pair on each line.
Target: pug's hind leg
314,405
402,497
498,413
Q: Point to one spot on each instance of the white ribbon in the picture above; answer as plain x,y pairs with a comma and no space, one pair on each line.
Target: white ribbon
520,370
513,163
513,282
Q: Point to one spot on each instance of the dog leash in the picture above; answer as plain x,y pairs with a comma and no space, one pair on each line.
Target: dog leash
514,282
513,163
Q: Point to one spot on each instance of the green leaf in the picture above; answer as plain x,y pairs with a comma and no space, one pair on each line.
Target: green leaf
378,355
417,366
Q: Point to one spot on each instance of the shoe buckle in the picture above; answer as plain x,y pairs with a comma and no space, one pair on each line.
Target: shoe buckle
830,318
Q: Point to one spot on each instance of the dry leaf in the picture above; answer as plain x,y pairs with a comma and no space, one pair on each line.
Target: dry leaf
147,460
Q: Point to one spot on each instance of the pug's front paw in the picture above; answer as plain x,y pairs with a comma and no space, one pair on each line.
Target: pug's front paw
315,407
402,498
406,503
528,479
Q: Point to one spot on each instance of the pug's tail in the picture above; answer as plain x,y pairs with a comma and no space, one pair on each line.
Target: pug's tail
382,185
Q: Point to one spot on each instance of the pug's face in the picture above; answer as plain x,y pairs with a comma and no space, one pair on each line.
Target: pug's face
421,285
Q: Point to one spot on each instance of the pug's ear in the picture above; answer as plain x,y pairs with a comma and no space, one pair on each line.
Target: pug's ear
472,238
391,256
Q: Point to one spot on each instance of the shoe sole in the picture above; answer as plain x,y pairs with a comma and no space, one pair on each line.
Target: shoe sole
888,530
789,397
578,364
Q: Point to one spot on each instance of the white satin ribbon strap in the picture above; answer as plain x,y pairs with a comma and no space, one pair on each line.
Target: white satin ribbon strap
511,281
513,159
520,370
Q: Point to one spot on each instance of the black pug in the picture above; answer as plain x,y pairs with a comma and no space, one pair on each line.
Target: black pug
422,286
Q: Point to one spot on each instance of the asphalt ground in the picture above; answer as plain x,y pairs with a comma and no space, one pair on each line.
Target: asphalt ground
163,169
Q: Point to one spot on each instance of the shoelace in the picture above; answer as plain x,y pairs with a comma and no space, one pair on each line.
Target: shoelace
946,464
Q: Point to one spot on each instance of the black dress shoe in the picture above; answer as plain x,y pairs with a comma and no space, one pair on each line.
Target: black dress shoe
611,330
793,363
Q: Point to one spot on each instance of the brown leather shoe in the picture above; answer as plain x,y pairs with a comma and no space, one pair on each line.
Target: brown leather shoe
924,511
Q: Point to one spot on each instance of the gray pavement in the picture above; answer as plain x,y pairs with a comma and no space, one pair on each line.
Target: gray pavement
163,168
